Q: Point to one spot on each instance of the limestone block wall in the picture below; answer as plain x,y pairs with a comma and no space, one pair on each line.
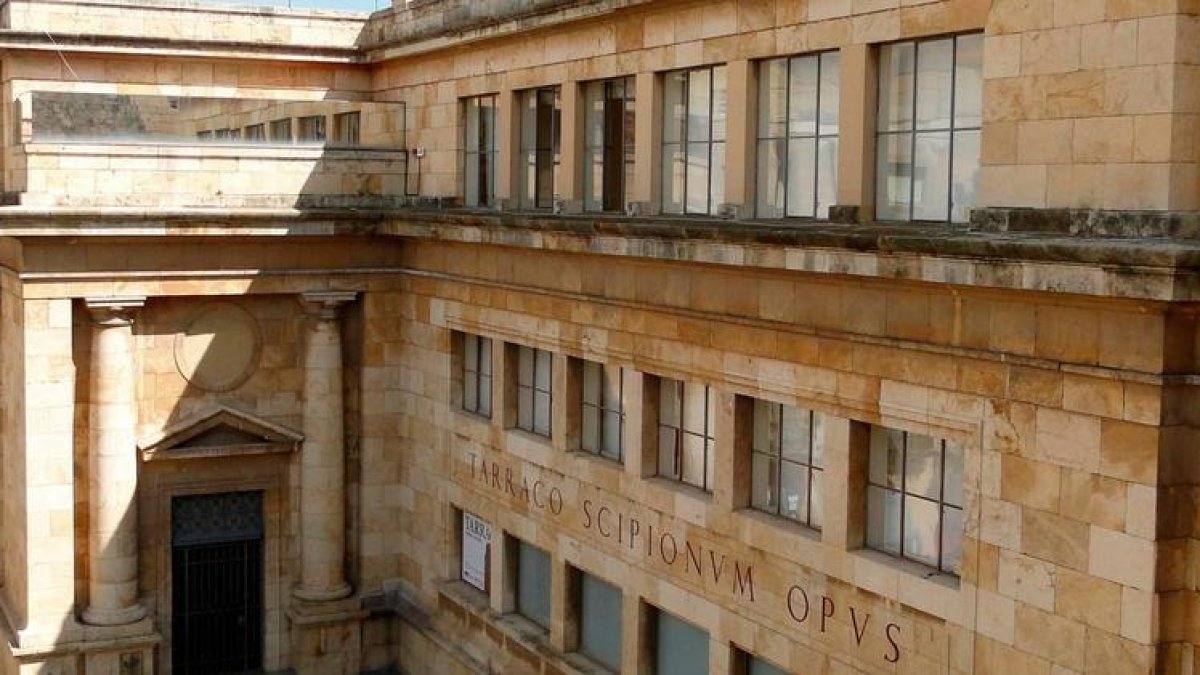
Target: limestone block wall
1092,104
1057,401
185,22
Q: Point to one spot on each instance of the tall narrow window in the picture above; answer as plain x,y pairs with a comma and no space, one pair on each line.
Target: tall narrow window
540,146
474,372
479,151
930,105
603,416
534,390
798,135
600,621
533,584
346,128
608,158
915,498
686,432
311,129
788,460
256,133
679,647
693,175
281,130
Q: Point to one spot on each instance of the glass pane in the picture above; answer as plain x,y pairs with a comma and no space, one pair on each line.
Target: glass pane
766,427
965,191
589,432
674,171
719,103
471,128
796,430
695,466
695,407
593,179
921,534
697,177
772,99
541,413
485,395
600,622
533,584
667,438
802,113
931,177
470,352
760,667
669,411
968,81
923,467
543,369
487,117
831,92
674,106
525,366
952,536
612,387
593,102
471,180
485,356
470,391
699,105
771,174
793,501
953,491
935,65
894,177
525,408
593,382
816,506
490,176
612,435
883,519
764,477
827,172
717,185
818,440
802,179
710,467
680,648
895,86
887,451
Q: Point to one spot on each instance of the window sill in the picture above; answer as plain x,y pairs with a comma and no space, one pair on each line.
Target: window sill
463,413
786,535
533,436
596,459
910,583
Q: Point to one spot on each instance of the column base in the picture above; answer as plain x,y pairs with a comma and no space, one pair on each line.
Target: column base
321,594
114,617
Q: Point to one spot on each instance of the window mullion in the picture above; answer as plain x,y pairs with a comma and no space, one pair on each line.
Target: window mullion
912,143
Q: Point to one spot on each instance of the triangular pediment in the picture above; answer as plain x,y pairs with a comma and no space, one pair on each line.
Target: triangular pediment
220,431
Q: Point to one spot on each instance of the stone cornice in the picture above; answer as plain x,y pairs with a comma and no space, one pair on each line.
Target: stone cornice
141,46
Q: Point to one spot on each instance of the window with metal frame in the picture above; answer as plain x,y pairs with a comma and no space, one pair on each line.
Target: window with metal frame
930,113
686,432
480,150
599,621
541,152
679,647
534,390
533,584
281,130
609,143
693,150
915,498
602,425
798,108
256,133
788,462
310,129
476,360
347,128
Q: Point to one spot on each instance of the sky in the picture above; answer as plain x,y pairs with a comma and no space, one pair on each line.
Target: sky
341,5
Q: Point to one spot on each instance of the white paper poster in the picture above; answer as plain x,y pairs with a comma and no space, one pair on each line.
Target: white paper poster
477,538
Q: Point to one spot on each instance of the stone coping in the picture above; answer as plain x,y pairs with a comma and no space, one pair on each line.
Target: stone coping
156,46
208,8
208,150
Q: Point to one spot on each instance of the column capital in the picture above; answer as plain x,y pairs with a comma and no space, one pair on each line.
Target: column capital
324,305
117,310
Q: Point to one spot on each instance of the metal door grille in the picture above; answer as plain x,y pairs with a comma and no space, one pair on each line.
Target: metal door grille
217,586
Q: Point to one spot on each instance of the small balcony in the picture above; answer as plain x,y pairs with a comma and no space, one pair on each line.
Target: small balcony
102,150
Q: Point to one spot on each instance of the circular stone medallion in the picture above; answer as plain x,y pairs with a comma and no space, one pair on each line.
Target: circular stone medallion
219,348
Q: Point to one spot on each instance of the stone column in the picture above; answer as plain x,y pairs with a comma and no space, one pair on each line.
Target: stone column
112,461
322,460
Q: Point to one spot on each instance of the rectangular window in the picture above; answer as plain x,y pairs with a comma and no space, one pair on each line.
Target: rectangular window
786,470
476,551
474,372
541,134
679,647
930,105
533,584
602,425
746,663
686,432
256,133
693,176
311,129
346,128
798,100
609,143
600,621
915,498
480,150
281,130
204,135
534,390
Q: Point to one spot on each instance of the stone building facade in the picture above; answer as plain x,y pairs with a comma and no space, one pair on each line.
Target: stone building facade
579,336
